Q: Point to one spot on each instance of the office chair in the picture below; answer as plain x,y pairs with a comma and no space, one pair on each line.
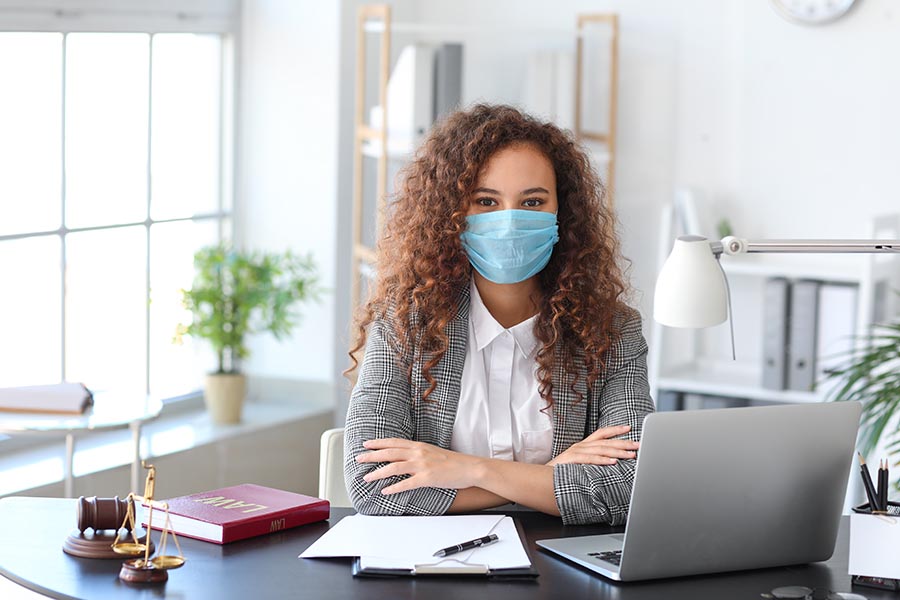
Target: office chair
331,469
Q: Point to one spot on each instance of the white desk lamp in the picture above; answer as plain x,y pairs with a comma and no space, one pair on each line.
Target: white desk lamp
692,291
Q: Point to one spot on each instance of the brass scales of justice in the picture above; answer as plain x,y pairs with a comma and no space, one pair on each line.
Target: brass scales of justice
103,514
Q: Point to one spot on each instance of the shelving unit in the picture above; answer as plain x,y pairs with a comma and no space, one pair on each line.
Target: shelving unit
679,360
371,141
608,137
365,136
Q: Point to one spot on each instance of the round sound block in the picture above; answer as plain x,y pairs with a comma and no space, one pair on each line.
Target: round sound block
93,544
139,571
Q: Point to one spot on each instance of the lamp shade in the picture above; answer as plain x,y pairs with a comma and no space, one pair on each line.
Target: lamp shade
690,289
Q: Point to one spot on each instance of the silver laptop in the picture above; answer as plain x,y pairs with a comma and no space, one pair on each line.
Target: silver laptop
723,490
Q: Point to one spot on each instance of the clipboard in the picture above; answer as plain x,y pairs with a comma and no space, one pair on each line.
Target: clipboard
459,569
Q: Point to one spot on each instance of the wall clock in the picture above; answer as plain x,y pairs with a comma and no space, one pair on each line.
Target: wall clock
812,12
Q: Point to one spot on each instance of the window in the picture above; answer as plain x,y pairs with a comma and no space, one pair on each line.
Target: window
113,170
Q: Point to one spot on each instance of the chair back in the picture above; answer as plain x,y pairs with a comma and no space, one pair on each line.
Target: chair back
331,469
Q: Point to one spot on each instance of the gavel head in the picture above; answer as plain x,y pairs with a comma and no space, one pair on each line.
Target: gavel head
101,513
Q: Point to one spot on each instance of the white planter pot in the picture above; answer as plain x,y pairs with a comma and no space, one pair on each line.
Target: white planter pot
224,397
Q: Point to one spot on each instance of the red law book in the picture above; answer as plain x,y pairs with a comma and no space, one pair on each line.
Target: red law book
238,512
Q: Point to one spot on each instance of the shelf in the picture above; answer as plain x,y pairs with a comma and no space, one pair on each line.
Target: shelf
393,144
837,269
401,151
728,379
687,362
461,30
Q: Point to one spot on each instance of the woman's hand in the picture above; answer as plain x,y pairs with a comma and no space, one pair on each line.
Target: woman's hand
599,449
426,465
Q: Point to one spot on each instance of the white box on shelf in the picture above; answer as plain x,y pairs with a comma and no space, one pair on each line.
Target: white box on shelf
837,328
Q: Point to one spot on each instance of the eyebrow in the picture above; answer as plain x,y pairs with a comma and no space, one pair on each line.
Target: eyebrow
534,190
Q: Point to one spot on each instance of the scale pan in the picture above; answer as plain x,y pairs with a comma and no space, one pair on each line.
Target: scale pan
167,562
129,548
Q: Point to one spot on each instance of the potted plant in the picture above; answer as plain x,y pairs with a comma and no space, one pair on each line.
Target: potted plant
236,293
871,375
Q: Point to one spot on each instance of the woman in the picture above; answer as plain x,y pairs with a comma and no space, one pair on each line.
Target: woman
501,364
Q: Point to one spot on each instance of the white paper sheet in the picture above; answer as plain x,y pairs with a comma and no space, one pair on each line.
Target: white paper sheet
403,542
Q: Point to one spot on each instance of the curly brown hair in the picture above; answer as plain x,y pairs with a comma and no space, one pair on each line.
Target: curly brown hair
417,290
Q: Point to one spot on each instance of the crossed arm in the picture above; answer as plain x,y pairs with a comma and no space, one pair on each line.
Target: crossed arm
486,482
389,473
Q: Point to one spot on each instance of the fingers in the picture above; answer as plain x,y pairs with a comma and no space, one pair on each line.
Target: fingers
608,452
386,450
620,453
609,432
392,470
618,444
388,443
387,455
401,486
605,450
389,470
579,458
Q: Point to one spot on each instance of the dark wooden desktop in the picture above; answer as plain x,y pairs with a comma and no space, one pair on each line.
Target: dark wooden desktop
32,531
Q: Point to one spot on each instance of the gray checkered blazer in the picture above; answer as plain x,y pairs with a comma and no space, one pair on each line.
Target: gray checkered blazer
385,403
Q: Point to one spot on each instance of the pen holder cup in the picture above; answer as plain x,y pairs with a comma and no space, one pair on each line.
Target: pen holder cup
875,542
865,509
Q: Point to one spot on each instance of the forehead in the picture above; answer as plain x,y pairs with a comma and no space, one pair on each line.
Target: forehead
519,161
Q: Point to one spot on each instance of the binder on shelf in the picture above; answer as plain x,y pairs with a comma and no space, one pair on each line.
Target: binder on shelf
448,60
836,330
802,334
777,303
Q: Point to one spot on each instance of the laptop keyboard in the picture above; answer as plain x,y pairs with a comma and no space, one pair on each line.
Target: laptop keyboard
613,557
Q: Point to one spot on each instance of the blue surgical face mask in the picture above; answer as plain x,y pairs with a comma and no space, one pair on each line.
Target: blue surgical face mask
509,246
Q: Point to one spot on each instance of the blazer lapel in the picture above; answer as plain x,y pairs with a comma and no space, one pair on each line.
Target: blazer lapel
569,413
435,419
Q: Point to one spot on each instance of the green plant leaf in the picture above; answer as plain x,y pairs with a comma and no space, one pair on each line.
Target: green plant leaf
238,293
871,376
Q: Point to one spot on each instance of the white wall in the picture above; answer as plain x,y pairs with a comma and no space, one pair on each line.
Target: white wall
792,131
789,130
287,163
647,129
820,139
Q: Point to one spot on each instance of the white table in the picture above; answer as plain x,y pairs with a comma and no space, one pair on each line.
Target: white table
110,411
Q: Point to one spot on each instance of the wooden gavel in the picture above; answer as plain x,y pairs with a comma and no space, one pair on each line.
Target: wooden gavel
101,513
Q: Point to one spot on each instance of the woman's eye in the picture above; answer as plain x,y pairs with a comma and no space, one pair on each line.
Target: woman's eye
485,202
533,202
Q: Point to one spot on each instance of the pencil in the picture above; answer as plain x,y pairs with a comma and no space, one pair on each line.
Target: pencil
867,483
886,489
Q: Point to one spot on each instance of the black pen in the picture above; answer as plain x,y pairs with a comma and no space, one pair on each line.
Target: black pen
882,487
867,483
482,541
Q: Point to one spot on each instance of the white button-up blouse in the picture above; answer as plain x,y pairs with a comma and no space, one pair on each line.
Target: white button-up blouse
499,414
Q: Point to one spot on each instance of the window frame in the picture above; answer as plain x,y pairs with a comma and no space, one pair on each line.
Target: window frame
208,17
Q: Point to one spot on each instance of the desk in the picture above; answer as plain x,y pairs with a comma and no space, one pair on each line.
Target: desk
265,567
110,411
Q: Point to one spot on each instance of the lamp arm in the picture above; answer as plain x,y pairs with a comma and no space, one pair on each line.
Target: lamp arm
732,245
